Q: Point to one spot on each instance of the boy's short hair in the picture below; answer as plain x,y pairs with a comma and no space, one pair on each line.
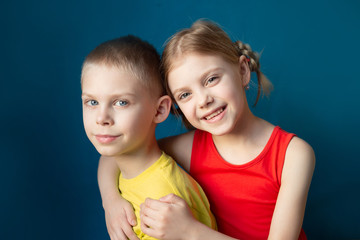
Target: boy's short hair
131,54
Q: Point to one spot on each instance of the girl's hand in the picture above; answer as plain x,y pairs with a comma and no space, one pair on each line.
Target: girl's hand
120,218
167,218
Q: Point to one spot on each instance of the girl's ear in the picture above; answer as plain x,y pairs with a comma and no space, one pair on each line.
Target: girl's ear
163,109
244,70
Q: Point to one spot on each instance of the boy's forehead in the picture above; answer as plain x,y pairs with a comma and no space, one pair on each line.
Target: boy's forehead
103,68
125,76
103,76
102,71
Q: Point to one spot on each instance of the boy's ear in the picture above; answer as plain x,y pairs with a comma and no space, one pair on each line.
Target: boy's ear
163,109
244,70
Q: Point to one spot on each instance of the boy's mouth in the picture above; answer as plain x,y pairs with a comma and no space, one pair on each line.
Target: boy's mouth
105,138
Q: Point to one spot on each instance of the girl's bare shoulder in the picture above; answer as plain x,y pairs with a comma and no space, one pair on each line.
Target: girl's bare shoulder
179,147
299,160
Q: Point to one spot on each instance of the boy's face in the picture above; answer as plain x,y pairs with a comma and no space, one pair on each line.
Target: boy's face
118,111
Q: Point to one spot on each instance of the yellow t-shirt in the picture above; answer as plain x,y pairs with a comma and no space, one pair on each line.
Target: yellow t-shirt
160,179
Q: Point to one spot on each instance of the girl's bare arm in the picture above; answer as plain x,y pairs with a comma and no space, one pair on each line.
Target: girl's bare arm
179,147
119,213
295,182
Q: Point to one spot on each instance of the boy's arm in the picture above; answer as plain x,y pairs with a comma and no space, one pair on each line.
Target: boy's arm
119,213
295,182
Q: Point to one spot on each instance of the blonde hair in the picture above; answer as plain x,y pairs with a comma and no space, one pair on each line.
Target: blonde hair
131,54
206,37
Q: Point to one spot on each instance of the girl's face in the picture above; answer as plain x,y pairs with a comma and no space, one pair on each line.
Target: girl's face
209,91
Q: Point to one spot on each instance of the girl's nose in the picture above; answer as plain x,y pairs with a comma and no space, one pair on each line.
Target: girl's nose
205,100
104,118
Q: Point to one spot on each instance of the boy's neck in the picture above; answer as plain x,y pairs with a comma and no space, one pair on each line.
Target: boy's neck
135,163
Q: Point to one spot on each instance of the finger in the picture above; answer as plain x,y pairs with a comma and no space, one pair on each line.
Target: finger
119,235
145,210
154,204
149,220
130,215
116,235
170,198
148,230
112,237
120,231
129,232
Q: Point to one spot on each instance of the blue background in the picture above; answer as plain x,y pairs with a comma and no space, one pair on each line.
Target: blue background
48,167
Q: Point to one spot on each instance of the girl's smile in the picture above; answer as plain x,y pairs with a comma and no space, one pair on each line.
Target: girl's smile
215,115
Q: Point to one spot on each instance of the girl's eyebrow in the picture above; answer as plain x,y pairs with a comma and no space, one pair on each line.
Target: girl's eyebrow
179,90
209,71
202,76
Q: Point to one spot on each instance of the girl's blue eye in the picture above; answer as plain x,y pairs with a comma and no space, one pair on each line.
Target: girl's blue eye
184,95
92,102
210,80
121,103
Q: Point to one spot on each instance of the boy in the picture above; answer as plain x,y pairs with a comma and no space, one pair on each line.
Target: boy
123,101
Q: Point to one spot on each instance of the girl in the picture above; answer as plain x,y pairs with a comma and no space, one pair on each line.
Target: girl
255,174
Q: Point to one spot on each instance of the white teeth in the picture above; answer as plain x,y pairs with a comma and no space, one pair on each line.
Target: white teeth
214,114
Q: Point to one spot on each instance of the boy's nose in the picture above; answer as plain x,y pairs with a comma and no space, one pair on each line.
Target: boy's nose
104,118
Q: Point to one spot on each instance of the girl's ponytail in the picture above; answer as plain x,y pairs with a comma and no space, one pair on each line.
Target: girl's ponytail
254,65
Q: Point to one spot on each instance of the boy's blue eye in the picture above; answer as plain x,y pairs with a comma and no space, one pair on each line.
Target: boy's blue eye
121,103
92,102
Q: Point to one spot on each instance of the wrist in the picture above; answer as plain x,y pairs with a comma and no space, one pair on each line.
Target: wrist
108,200
194,231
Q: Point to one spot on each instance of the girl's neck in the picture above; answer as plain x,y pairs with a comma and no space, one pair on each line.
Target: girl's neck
246,141
241,131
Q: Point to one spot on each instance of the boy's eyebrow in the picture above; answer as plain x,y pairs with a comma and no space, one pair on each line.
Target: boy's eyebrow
84,94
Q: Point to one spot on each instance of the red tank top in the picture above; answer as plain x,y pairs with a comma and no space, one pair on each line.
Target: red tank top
242,197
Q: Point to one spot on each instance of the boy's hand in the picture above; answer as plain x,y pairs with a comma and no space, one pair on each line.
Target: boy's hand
120,218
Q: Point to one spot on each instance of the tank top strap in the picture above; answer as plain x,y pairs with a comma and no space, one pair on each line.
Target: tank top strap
278,149
200,148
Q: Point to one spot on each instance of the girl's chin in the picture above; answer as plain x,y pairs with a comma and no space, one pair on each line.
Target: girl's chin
219,130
